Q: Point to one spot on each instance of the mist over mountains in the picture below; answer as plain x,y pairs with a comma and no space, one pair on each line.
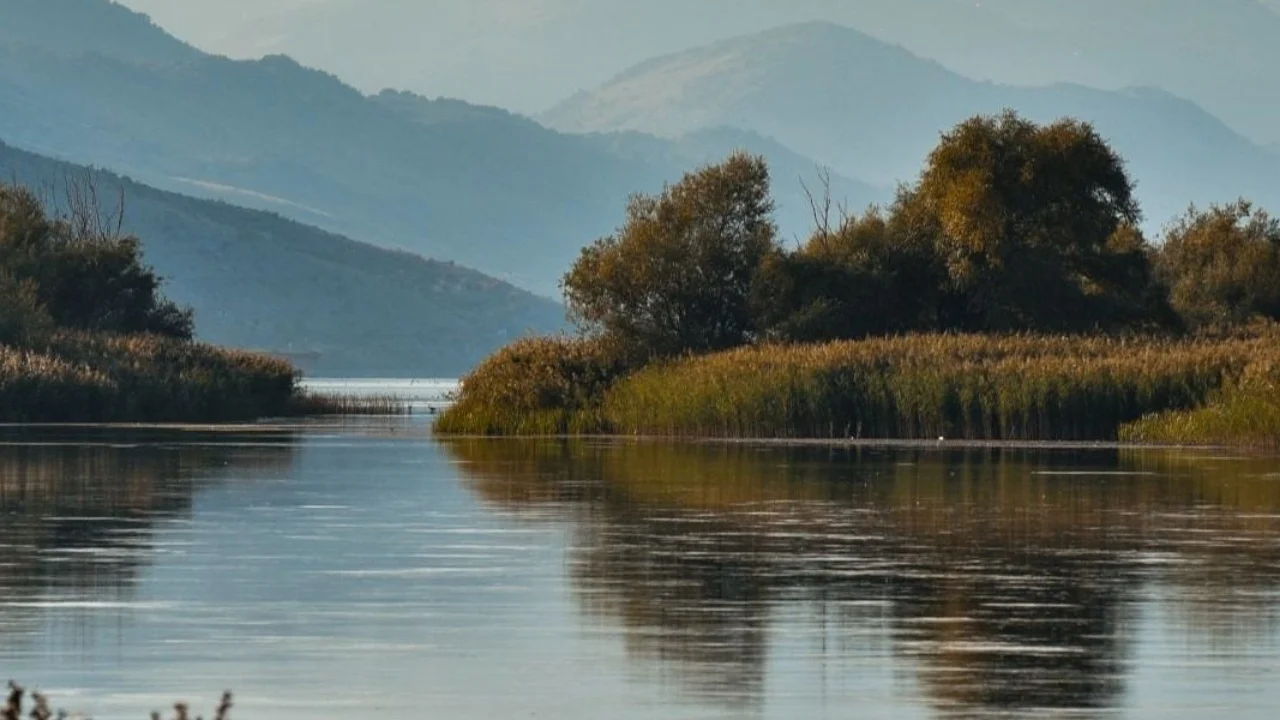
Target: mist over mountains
874,110
478,186
530,54
262,282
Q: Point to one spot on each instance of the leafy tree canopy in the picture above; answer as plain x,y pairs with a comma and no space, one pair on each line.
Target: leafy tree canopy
677,277
76,271
1222,265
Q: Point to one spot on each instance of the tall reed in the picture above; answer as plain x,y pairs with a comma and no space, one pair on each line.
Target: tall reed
928,386
1245,413
89,377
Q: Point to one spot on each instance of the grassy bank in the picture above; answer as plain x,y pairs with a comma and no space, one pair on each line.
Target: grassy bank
88,377
924,386
1245,413
91,377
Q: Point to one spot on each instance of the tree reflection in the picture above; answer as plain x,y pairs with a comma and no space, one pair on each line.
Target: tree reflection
1010,578
79,508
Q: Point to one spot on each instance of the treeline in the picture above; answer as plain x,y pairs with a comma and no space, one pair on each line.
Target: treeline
1012,228
86,335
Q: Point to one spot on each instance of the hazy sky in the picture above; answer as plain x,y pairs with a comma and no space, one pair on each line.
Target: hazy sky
528,54
522,54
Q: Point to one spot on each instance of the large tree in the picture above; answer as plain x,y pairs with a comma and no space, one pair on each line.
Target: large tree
1035,226
677,277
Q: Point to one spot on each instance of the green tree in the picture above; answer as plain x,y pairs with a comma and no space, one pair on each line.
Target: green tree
83,273
1222,265
865,276
1034,225
678,275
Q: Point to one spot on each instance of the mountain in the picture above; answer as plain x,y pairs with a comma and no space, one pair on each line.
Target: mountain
475,185
259,281
874,110
478,186
528,54
79,27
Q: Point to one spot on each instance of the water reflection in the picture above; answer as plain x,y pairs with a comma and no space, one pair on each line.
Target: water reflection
1014,581
79,511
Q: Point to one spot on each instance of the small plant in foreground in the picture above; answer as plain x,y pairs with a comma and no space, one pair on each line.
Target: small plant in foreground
14,707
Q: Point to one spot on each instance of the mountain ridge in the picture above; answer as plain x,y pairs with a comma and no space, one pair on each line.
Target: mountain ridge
874,110
260,281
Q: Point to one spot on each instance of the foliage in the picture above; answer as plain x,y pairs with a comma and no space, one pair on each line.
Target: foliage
926,386
1011,227
84,275
537,386
867,276
678,276
1222,265
1035,225
1246,413
22,318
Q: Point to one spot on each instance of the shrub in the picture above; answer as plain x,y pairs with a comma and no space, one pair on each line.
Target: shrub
537,386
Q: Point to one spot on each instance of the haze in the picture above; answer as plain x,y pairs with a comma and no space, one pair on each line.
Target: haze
526,55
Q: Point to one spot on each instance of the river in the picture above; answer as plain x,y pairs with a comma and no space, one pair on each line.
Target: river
360,567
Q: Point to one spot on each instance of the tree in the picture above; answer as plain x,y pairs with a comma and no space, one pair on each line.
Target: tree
1222,265
81,270
677,277
1034,225
864,276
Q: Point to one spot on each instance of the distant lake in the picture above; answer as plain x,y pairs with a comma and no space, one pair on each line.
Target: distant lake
360,568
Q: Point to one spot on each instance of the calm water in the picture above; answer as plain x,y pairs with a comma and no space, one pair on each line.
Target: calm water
323,568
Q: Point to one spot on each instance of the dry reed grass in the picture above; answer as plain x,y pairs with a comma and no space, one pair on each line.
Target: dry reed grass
980,387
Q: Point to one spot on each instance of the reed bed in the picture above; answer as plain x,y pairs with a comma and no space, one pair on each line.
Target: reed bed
978,387
1245,414
970,387
84,377
320,405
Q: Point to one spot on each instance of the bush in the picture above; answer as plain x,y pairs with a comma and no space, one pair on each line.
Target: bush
537,386
1222,266
1246,413
81,271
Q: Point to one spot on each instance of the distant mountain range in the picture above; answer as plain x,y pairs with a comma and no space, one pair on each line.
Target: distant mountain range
874,110
529,54
262,282
92,83
478,186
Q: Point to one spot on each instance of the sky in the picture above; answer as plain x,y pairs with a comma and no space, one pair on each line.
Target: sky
527,55
521,54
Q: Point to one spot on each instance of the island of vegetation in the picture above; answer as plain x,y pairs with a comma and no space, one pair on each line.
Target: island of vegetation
1008,294
86,334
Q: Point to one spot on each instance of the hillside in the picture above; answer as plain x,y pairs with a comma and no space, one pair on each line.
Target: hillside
873,110
441,178
259,281
78,27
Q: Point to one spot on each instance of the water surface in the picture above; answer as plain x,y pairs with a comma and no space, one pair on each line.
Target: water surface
325,567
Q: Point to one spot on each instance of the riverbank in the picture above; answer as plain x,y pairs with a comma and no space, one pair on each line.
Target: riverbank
960,387
82,377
